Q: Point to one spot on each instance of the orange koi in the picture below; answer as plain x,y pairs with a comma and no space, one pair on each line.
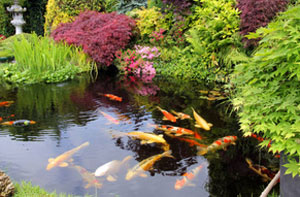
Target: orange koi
6,103
167,115
110,118
188,177
221,143
191,141
181,115
113,97
19,122
1,119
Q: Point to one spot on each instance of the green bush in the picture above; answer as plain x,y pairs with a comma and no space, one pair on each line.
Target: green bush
213,34
267,87
64,11
40,59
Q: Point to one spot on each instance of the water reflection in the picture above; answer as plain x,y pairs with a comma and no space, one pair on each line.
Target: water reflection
69,114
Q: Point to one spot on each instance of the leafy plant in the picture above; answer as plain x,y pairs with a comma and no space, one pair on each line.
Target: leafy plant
99,34
267,95
40,59
216,23
124,6
257,13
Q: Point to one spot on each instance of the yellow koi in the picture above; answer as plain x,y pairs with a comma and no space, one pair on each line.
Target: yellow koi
145,165
200,122
60,160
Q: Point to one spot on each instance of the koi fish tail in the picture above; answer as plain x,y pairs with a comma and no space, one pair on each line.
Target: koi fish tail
249,161
159,108
168,154
201,151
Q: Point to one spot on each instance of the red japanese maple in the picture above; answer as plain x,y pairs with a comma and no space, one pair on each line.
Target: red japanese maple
99,34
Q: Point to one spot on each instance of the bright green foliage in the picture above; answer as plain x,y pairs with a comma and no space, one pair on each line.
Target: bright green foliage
267,87
74,7
214,33
64,11
40,59
150,20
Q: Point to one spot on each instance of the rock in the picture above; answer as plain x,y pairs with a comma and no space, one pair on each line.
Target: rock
6,186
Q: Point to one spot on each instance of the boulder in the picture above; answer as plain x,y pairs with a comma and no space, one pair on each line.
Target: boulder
6,186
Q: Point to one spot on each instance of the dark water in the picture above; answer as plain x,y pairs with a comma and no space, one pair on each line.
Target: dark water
67,115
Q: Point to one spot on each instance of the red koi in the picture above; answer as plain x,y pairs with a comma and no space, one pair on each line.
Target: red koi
167,115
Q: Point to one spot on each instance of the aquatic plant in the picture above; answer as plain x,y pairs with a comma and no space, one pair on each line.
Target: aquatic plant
267,95
257,13
40,59
99,34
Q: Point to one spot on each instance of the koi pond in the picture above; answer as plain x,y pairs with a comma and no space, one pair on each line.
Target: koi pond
93,138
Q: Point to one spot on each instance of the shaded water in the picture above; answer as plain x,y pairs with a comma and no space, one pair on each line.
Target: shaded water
67,115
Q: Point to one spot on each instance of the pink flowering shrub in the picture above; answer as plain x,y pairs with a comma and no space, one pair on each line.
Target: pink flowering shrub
174,36
138,62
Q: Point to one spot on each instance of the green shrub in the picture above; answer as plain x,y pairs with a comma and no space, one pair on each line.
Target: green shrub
64,11
40,59
267,87
214,33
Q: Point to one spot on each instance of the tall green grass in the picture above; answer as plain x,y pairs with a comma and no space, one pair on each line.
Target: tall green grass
40,59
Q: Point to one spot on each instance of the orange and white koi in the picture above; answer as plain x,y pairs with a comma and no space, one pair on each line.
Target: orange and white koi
178,131
266,174
19,123
145,165
200,122
181,115
88,177
221,143
112,97
6,103
167,115
60,160
189,177
109,117
111,168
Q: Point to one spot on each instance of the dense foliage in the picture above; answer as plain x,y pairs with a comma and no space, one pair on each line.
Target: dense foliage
257,13
267,87
62,11
99,34
6,27
40,59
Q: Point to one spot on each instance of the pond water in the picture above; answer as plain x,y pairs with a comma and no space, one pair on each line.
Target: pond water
70,114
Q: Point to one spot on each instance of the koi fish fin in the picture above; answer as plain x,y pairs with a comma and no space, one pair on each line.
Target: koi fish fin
174,112
88,185
191,184
110,178
198,126
143,175
178,134
210,125
63,164
161,135
50,159
202,151
165,118
147,142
